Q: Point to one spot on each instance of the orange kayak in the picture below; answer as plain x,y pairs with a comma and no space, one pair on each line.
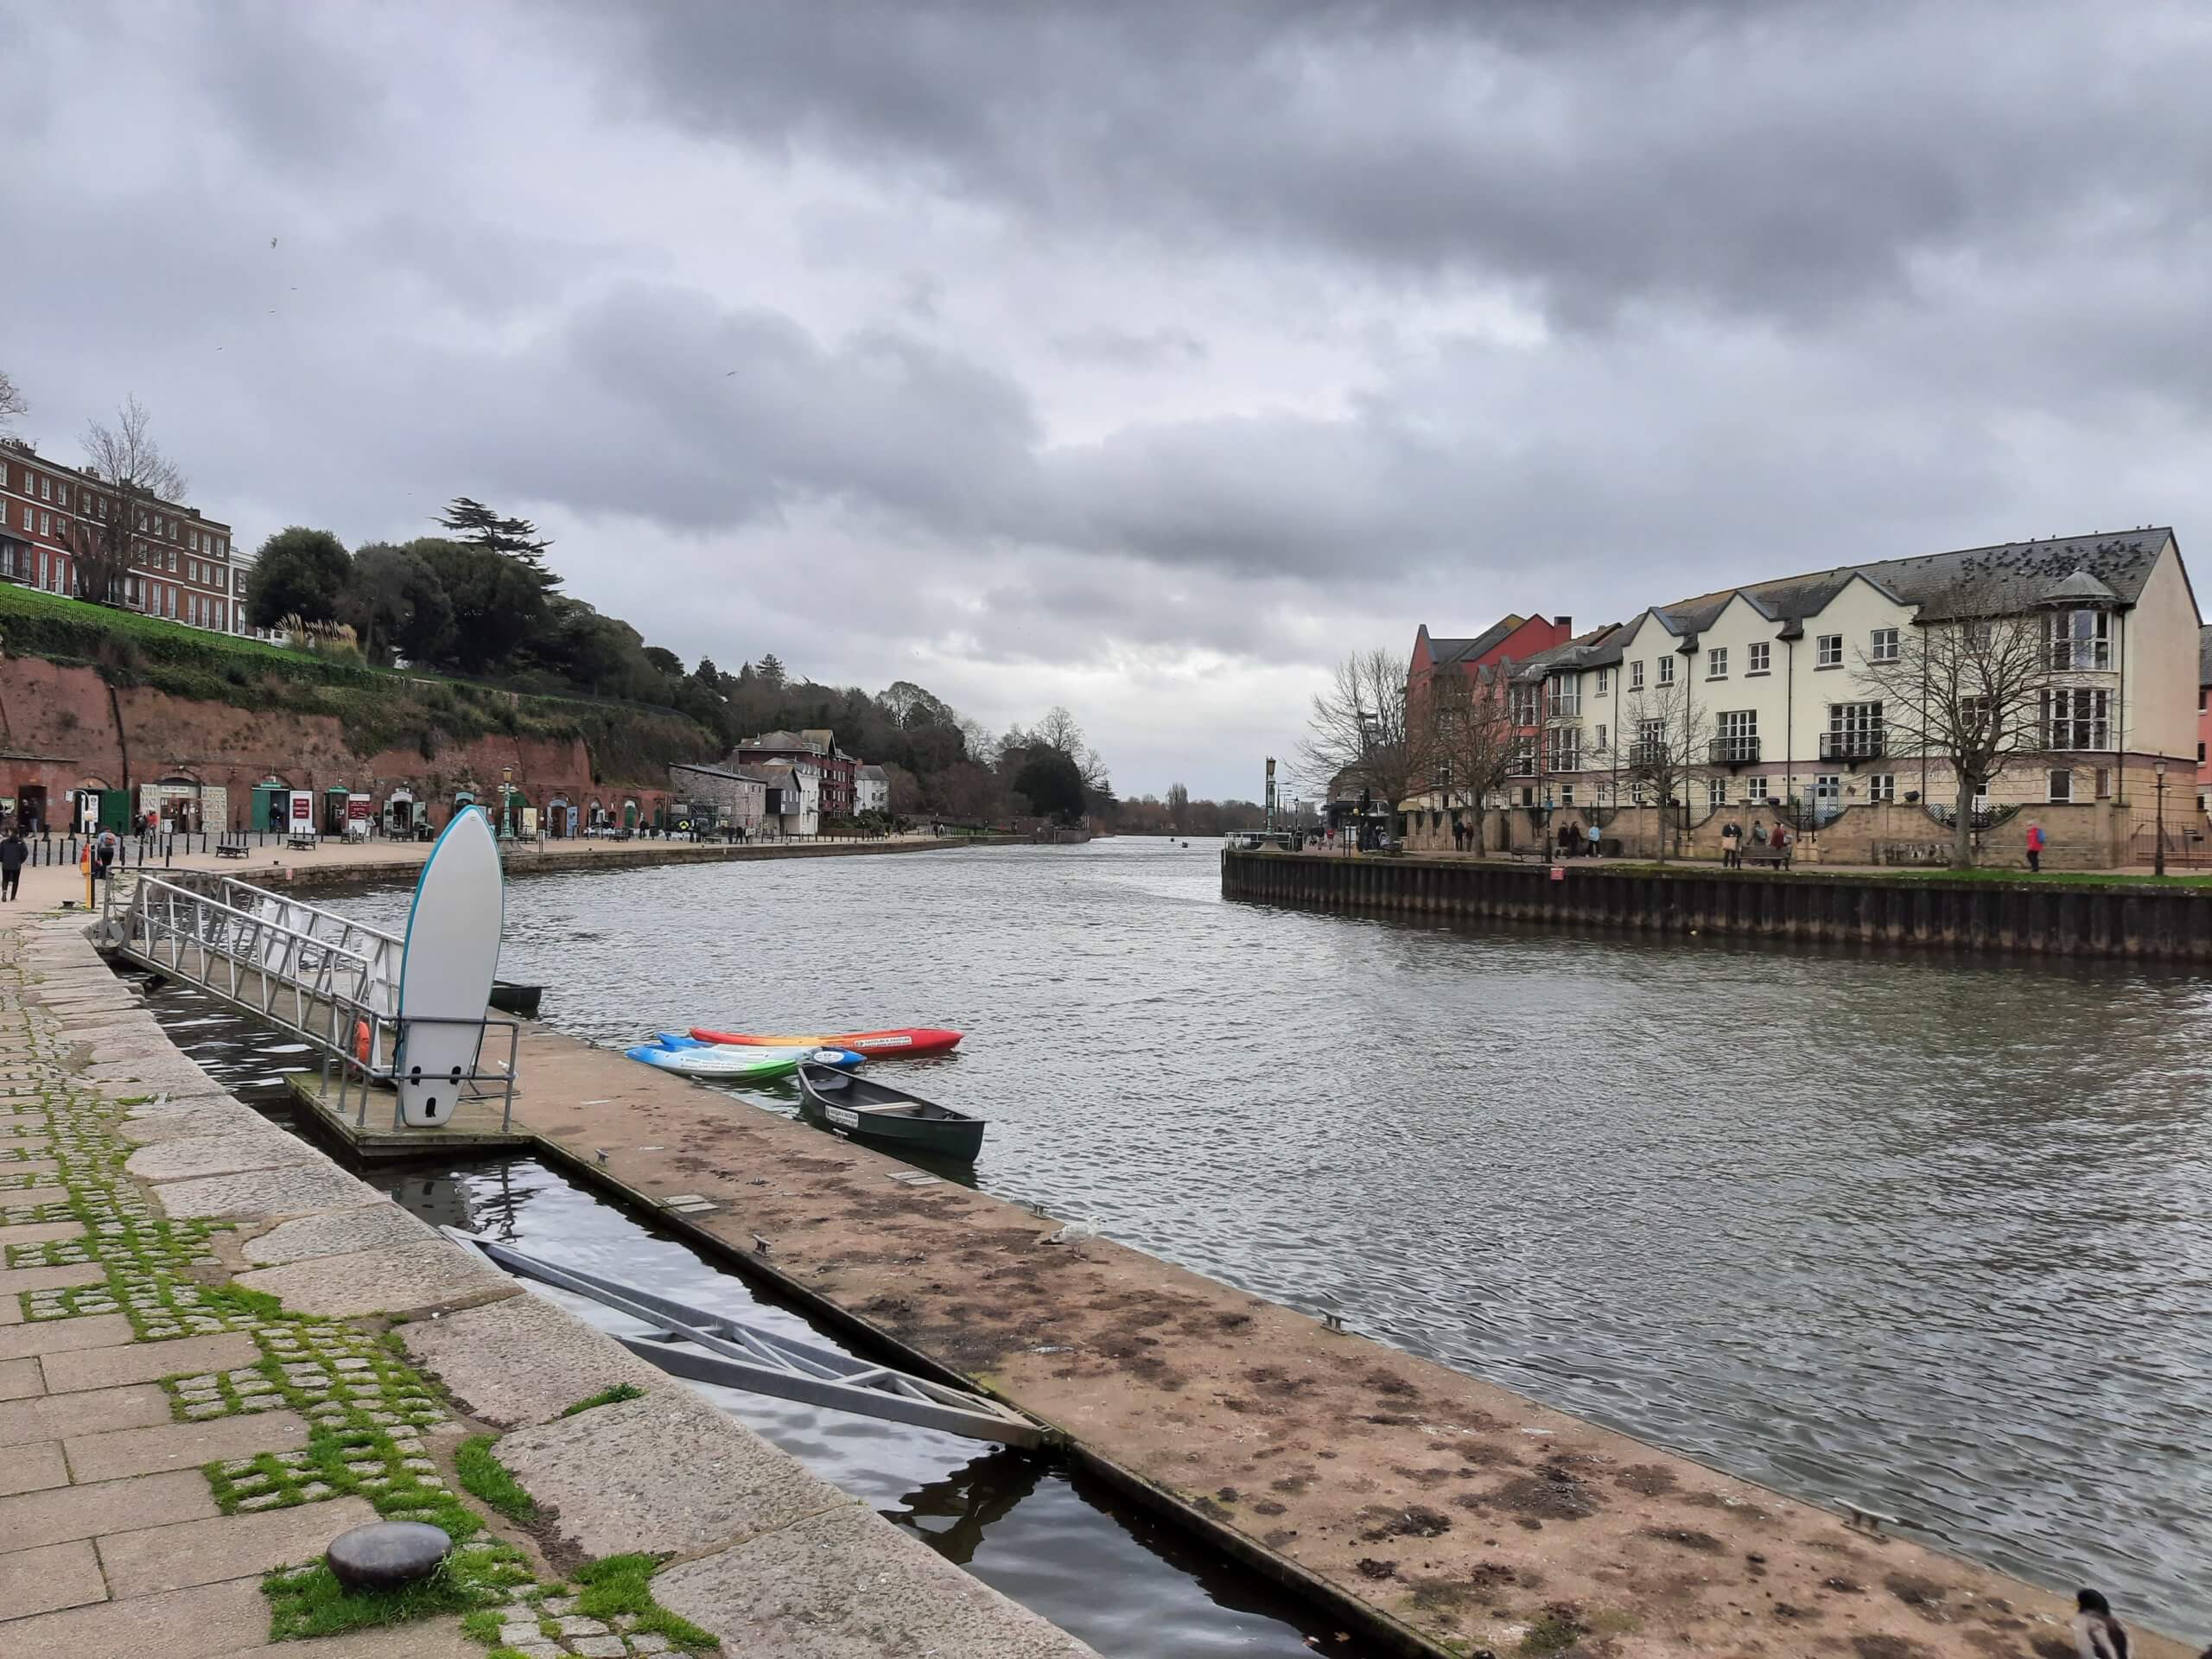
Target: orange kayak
906,1042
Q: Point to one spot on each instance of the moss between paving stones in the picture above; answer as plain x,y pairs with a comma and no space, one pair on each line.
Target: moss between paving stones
367,1408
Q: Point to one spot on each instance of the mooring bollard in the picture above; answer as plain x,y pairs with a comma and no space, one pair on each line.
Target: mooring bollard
385,1554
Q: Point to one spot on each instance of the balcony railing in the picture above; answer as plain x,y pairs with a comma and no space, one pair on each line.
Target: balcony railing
1569,761
1647,757
1852,745
1734,751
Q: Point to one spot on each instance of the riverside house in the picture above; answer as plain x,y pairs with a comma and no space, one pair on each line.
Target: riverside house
1784,696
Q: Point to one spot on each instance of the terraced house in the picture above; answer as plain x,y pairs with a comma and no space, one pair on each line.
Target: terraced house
2065,670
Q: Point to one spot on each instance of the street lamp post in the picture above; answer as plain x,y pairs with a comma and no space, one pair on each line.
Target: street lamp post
2158,857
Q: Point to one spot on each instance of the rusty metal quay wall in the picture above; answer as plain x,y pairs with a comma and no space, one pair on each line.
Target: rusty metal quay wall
2137,921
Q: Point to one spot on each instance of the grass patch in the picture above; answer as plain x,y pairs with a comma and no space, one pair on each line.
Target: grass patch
309,1601
614,1395
483,1625
622,1586
483,1474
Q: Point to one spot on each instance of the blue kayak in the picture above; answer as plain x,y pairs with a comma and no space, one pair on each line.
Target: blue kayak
722,1063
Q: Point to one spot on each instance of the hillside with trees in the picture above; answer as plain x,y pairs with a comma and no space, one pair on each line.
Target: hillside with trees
479,602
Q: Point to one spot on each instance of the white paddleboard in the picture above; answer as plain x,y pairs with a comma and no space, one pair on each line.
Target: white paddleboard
451,957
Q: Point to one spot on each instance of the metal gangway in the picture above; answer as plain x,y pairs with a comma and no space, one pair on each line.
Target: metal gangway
323,977
704,1346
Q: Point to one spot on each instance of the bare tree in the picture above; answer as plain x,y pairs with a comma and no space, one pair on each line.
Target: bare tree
1665,743
13,403
134,474
1977,693
1178,802
1468,739
1359,730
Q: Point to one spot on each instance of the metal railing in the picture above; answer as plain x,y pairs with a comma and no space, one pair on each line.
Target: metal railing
1739,750
705,1346
314,974
1852,745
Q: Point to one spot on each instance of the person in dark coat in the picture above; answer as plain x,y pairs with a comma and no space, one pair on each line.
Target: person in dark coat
13,852
2097,1634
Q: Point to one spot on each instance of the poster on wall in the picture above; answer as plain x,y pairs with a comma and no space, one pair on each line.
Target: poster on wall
302,812
357,817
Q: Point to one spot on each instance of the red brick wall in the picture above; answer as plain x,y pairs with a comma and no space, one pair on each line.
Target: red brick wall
59,728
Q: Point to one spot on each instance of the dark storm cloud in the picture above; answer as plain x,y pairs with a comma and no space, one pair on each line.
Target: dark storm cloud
1065,339
1777,157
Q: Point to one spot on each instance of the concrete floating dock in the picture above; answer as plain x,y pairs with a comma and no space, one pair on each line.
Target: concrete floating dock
1433,1513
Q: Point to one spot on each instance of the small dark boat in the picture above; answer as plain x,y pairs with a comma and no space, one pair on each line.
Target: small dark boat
891,1118
520,1000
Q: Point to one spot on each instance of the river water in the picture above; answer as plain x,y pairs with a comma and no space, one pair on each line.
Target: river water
1930,1236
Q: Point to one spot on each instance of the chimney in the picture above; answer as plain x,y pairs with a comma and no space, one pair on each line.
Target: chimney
1564,623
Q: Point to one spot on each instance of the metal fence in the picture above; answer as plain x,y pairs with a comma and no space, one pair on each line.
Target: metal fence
324,977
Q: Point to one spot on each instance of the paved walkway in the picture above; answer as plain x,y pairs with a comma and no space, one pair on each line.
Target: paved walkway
197,1387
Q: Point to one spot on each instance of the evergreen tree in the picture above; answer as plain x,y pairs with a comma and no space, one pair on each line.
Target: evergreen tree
771,671
478,525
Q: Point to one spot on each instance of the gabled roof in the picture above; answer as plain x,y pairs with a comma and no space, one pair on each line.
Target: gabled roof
1599,648
741,774
792,741
874,771
1999,580
1442,651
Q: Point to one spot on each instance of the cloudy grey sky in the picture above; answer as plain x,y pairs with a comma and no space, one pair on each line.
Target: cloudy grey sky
1143,357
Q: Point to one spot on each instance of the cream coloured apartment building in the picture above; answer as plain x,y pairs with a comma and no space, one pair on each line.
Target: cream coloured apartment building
1774,685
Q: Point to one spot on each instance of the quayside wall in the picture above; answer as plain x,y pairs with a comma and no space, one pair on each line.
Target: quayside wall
1804,907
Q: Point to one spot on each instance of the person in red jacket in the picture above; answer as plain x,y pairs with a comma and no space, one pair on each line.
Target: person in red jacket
2035,846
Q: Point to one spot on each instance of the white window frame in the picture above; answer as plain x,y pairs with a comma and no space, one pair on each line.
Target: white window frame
1716,663
2079,641
1755,792
1667,671
2086,725
1716,792
1882,787
1828,786
1828,651
1605,684
46,489
1760,657
1882,645
2058,786
1636,675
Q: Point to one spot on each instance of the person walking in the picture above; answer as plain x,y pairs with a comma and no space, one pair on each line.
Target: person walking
13,852
104,853
1781,843
2097,1634
1732,836
2035,850
1595,844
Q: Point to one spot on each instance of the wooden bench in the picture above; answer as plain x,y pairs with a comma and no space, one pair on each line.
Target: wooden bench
1772,857
302,843
227,848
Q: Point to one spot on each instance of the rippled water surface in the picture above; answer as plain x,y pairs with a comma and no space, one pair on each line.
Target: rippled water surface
1931,1235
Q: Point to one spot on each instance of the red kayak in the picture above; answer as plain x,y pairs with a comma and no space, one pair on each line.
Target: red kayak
904,1043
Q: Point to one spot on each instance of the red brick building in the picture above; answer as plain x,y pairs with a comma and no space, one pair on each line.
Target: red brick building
182,560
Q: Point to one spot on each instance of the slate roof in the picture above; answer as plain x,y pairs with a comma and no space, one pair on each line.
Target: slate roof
1461,651
2204,655
2001,579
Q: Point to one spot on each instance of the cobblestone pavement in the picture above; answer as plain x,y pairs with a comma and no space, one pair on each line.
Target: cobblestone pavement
218,1350
170,1438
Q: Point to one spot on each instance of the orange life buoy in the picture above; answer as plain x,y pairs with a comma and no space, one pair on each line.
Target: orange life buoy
361,1041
